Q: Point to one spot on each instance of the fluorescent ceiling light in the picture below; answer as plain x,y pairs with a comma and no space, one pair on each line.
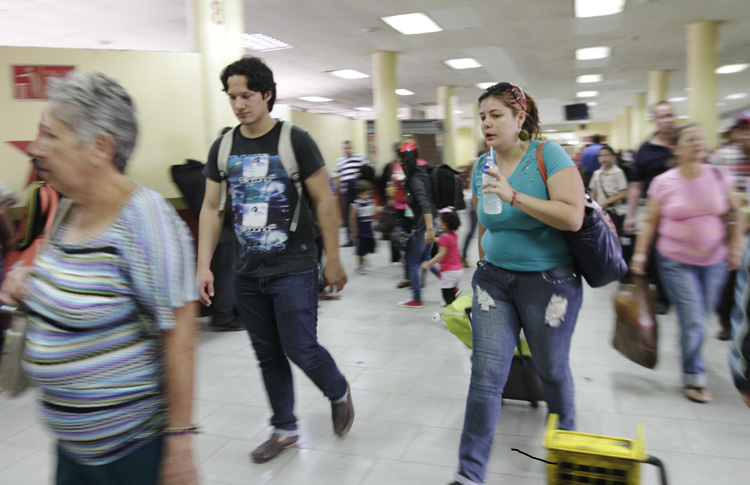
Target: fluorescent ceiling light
590,53
315,99
348,74
732,68
721,104
484,85
458,112
683,117
262,43
587,94
404,92
550,131
677,99
412,23
597,8
591,103
363,108
589,78
736,96
465,63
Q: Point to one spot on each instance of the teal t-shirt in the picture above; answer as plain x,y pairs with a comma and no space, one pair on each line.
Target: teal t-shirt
514,240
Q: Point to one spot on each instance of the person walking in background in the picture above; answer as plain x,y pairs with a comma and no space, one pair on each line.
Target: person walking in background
110,298
525,278
348,171
609,187
276,281
652,159
450,270
362,216
417,186
735,158
589,160
687,206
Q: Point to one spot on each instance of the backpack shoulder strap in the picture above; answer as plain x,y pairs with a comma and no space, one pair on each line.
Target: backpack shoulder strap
225,148
291,167
540,162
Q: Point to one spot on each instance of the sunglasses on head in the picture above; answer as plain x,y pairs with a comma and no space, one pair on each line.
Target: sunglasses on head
516,91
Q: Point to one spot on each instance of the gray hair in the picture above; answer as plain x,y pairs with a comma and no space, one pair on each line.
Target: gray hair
94,103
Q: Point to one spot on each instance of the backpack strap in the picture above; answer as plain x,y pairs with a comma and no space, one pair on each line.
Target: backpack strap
291,167
225,148
540,162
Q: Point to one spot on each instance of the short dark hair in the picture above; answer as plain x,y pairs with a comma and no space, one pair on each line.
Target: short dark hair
597,138
608,148
259,76
451,220
362,186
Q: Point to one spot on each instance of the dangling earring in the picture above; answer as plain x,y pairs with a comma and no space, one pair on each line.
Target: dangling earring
524,135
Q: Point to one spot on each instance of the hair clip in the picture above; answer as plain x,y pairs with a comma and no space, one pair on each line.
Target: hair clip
446,210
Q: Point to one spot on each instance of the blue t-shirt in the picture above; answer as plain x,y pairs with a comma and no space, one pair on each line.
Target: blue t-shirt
514,240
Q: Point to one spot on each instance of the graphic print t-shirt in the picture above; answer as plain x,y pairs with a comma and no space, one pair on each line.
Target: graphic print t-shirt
366,216
263,200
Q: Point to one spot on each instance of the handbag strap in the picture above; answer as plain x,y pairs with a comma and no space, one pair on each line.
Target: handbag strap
540,162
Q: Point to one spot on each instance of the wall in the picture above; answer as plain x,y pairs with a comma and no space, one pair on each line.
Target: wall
466,147
165,85
330,131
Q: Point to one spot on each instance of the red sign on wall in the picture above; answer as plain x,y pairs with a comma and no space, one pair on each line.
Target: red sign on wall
30,82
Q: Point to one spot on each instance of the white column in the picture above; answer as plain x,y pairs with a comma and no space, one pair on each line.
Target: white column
387,125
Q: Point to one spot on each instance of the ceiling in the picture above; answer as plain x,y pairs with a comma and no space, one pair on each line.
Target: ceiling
531,43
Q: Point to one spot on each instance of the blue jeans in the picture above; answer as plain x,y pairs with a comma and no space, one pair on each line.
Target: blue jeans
280,313
694,291
545,305
418,251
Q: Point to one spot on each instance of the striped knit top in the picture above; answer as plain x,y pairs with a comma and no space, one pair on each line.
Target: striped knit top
97,309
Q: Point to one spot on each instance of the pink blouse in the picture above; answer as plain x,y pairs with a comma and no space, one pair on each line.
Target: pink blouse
691,226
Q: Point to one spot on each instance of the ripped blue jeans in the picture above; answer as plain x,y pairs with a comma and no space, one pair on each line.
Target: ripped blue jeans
545,305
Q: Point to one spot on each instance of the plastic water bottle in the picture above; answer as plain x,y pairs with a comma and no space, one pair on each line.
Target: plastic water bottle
492,203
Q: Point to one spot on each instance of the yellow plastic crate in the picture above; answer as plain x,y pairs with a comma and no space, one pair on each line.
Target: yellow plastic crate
592,459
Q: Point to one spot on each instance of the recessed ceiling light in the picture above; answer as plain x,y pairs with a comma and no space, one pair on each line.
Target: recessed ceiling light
484,85
348,74
458,112
550,131
587,94
465,63
591,103
315,99
363,108
262,43
736,96
677,99
721,104
597,8
732,68
589,78
412,23
404,92
683,117
590,53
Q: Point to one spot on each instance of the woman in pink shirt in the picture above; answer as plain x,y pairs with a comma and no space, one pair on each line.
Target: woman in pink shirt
687,205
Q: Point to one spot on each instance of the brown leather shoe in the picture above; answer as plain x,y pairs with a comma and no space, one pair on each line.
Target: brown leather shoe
343,414
272,447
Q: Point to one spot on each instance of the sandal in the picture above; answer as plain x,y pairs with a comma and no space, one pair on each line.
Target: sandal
697,394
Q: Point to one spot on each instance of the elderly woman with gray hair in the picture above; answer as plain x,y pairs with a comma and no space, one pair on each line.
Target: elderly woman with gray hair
111,300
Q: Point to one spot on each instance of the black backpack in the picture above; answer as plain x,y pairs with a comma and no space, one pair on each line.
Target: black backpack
447,188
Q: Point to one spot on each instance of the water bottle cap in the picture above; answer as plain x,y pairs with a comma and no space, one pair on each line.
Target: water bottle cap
485,167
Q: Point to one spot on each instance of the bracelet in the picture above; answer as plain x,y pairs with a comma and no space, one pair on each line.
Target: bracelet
514,198
180,431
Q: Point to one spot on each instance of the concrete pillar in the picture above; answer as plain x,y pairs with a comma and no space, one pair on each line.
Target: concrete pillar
627,112
217,25
658,86
701,77
616,141
477,136
387,125
448,103
638,124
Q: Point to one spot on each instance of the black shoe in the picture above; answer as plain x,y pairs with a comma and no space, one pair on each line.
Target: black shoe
272,447
724,335
347,244
662,308
342,414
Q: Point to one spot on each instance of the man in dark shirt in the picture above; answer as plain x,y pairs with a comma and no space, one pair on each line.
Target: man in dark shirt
276,280
651,160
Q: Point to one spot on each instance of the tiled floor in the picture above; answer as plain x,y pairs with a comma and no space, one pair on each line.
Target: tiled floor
409,379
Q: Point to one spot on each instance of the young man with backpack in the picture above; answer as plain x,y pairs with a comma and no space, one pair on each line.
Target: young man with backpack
272,170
